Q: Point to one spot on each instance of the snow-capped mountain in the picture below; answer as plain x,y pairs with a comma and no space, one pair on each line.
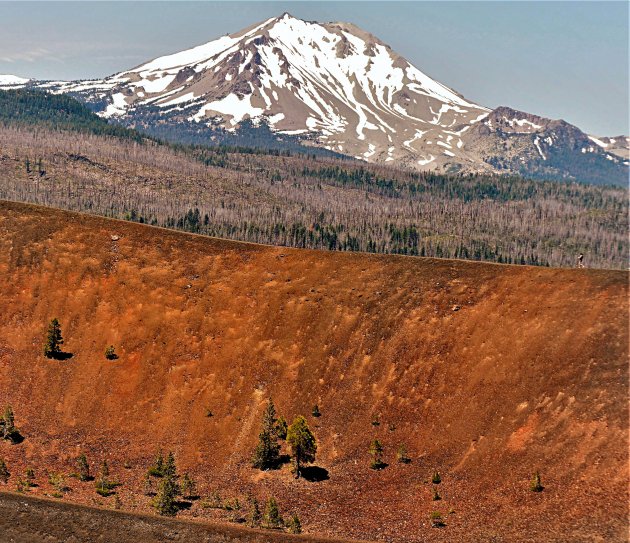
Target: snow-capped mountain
332,81
333,85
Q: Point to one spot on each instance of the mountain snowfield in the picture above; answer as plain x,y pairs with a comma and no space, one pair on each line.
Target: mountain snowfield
12,81
337,87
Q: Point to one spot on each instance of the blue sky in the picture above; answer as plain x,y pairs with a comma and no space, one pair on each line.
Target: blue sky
558,59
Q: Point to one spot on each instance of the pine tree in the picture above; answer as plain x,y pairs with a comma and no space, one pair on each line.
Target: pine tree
103,484
4,472
84,468
316,412
164,501
376,450
294,525
170,470
302,442
188,487
168,489
255,515
436,479
53,340
267,452
272,514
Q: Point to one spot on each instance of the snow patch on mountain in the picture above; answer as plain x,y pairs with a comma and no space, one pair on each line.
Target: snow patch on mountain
12,81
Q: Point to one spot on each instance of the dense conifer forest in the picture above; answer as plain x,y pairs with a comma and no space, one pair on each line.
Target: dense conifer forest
23,107
54,151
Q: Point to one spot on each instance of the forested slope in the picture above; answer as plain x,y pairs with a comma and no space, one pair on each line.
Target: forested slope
306,201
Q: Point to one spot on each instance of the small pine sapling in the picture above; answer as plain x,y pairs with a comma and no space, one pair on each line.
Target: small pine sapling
272,514
376,451
294,525
103,485
30,477
84,468
157,469
402,455
7,423
255,515
535,484
4,472
188,487
110,353
436,520
58,482
149,489
21,485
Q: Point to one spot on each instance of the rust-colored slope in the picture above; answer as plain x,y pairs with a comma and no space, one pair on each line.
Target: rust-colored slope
529,373
26,519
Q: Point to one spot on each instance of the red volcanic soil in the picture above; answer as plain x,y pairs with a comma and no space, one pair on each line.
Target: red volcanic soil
486,372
